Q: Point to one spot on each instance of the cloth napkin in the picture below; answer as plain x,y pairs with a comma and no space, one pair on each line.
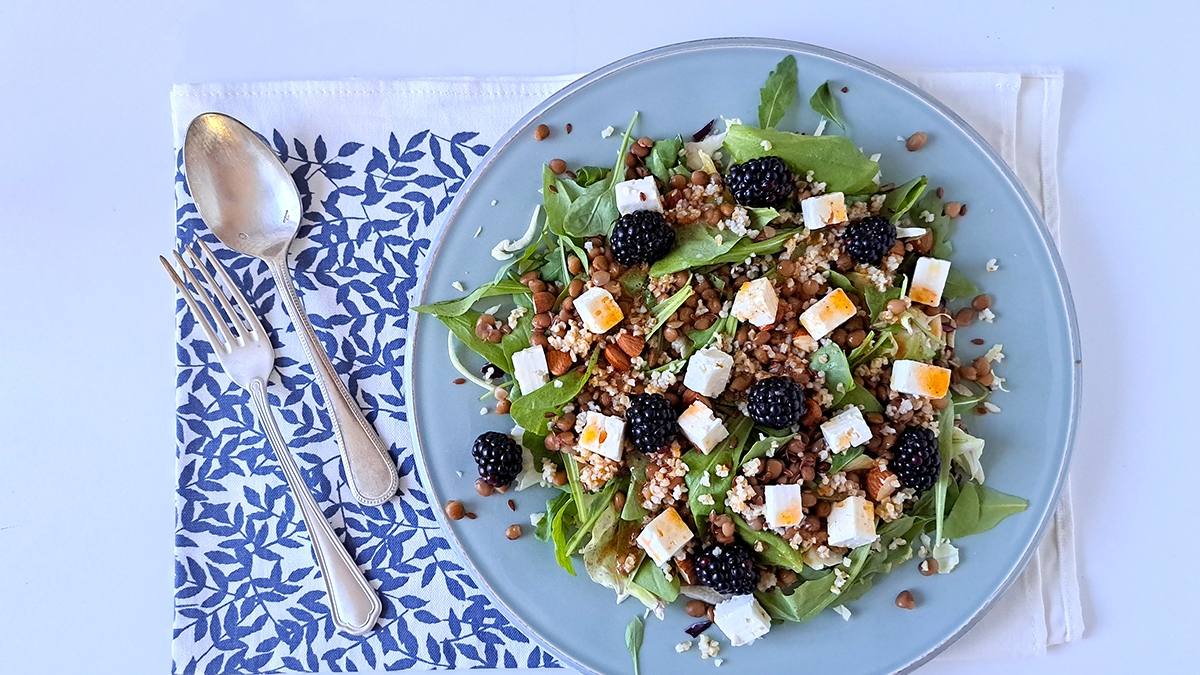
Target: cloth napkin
376,162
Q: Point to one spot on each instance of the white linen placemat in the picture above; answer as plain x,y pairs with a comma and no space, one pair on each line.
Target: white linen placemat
377,162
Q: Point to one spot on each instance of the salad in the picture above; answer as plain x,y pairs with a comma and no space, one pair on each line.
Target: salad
733,355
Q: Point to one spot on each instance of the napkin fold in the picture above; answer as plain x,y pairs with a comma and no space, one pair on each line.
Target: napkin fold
376,162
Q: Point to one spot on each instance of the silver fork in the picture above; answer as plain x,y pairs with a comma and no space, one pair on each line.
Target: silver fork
246,354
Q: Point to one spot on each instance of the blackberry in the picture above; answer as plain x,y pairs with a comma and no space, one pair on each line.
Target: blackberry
641,237
498,457
652,422
776,402
869,239
765,181
726,568
915,458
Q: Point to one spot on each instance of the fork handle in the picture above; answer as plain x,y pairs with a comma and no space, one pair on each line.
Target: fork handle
355,606
371,472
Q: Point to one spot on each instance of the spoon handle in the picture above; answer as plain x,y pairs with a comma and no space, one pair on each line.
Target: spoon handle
370,469
353,603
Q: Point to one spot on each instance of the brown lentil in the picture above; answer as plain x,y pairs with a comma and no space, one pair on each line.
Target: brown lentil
928,567
905,600
513,532
968,373
460,380
484,488
455,510
558,166
981,302
502,407
575,289
696,608
541,132
699,178
964,317
916,141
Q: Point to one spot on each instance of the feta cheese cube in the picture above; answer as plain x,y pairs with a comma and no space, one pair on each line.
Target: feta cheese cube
928,281
529,367
851,523
603,434
828,209
782,504
638,195
827,314
920,379
708,371
597,310
701,427
741,619
664,536
846,430
755,302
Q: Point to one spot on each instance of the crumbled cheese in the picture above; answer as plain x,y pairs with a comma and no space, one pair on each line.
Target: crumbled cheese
494,202
480,230
718,662
683,646
995,355
458,286
991,407
536,518
607,131
708,647
766,145
987,315
992,265
820,130
875,157
843,612
483,410
558,384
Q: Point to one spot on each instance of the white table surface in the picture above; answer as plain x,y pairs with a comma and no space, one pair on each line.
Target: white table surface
86,314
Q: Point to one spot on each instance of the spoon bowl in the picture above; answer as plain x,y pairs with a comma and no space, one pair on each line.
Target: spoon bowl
242,191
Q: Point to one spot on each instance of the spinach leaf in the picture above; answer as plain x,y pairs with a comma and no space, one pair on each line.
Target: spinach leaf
834,160
463,327
979,509
633,510
634,633
826,105
863,399
958,286
593,214
831,360
811,597
778,93
902,198
556,504
556,201
529,411
461,305
775,551
588,175
633,281
942,226
876,299
663,310
663,157
876,345
761,216
839,280
558,535
744,248
650,577
695,245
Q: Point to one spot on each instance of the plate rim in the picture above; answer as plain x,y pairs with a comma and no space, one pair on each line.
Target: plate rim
791,46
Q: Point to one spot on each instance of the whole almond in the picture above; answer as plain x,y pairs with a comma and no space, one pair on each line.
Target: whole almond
543,302
617,358
559,362
880,485
631,344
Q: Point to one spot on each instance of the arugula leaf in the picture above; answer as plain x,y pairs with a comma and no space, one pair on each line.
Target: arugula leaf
968,450
775,551
529,411
958,286
556,504
663,157
875,345
650,577
826,105
593,213
463,327
762,446
695,245
634,633
633,510
978,509
699,464
587,175
942,226
663,310
576,487
835,160
876,299
778,93
761,216
902,198
964,403
863,399
915,339
702,338
599,504
839,280
884,561
558,535
831,360
744,248
461,305
811,597
841,460
945,449
633,281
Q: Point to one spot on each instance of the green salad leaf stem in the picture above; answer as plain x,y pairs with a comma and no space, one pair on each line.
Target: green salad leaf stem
461,305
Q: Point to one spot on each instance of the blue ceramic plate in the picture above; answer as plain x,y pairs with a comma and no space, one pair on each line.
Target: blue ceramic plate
678,89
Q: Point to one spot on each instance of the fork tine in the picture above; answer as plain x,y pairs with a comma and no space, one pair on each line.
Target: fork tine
235,321
206,298
191,301
248,312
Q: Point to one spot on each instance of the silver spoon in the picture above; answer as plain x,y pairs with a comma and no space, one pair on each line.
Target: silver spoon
248,199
